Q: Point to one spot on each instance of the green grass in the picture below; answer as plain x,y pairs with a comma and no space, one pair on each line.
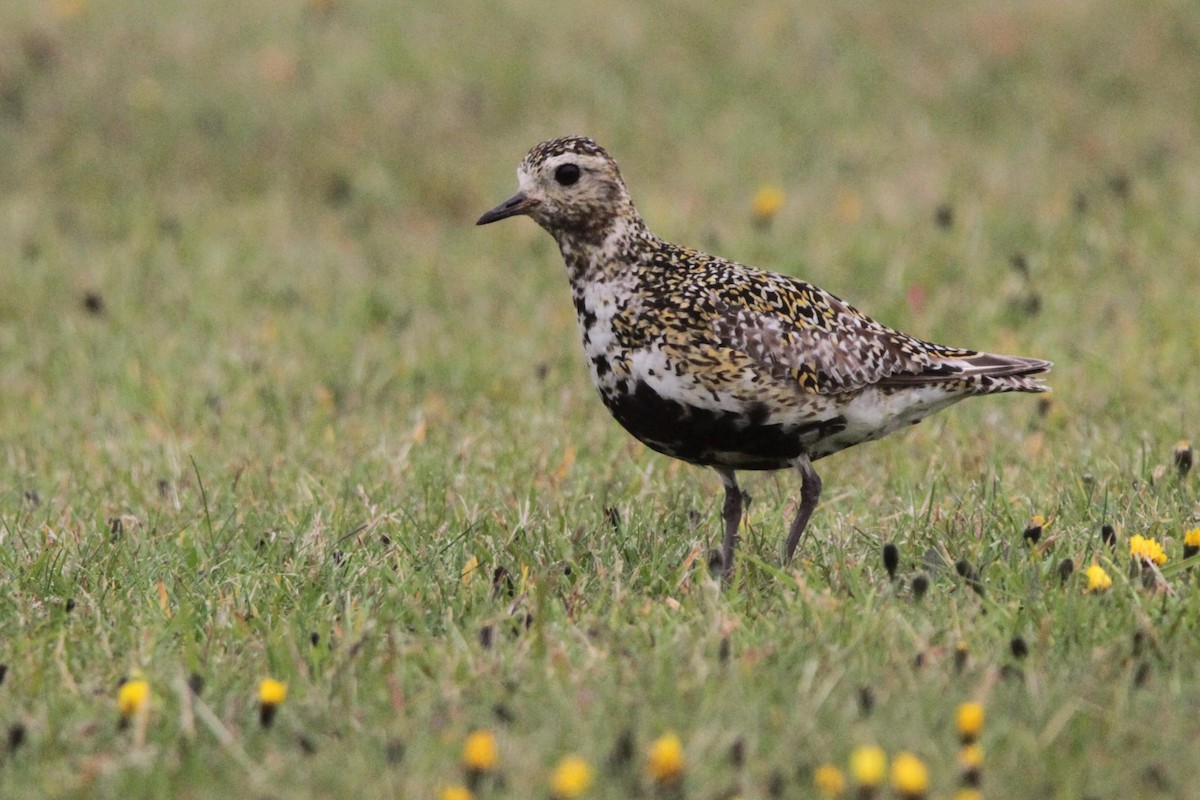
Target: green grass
313,392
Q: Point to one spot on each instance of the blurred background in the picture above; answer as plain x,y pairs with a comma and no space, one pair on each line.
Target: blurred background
269,206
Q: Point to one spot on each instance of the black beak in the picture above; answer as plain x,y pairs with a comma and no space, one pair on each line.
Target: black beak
517,204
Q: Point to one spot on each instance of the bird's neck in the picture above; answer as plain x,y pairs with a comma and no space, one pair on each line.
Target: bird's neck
604,252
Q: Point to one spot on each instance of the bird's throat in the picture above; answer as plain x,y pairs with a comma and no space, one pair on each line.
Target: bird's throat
602,253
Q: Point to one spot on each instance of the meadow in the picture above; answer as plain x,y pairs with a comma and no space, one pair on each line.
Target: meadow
272,407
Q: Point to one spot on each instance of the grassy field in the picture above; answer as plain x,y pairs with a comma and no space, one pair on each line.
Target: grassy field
272,406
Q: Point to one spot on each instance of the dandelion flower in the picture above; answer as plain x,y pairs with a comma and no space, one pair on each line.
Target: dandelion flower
455,793
133,698
1146,550
970,721
479,753
829,781
468,571
68,9
868,765
847,207
970,758
1097,579
1191,543
766,203
1033,531
909,776
271,693
571,778
665,762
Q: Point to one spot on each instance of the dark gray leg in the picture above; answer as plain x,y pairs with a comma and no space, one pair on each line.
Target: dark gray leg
810,493
732,514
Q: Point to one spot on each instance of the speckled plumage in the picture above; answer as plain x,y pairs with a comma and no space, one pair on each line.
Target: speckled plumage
724,365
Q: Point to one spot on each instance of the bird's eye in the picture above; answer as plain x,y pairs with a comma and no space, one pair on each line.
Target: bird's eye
567,174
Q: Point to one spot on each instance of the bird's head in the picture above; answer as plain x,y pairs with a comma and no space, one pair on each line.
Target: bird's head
570,187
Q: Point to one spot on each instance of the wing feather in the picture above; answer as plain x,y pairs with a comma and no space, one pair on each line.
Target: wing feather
795,330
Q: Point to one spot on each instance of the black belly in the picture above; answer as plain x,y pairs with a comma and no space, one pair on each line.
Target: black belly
738,440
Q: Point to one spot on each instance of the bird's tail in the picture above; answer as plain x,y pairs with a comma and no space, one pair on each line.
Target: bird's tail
984,373
993,373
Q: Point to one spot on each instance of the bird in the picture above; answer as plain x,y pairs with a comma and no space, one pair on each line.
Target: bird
724,365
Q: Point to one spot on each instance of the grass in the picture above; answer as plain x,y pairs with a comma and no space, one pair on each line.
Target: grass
267,392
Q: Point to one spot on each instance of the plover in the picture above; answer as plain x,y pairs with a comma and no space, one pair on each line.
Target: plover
727,366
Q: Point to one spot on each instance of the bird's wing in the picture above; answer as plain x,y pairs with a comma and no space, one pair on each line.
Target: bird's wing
827,346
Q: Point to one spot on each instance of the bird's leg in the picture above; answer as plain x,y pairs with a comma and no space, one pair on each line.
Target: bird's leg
732,515
810,493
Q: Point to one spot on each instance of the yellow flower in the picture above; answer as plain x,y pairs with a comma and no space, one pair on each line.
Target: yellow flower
1192,538
767,202
847,207
970,720
1035,528
970,757
468,571
968,793
1147,550
133,697
868,765
909,776
829,781
455,793
1097,579
479,751
68,9
665,762
272,692
571,778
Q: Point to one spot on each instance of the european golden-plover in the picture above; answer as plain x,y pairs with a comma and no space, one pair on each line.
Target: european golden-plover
723,365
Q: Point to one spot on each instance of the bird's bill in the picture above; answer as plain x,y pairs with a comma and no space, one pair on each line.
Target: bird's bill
519,203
